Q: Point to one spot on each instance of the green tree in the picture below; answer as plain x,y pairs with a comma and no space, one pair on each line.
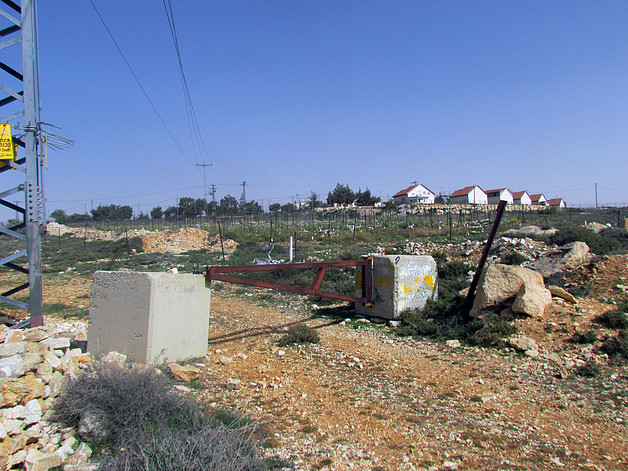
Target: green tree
228,206
171,212
364,198
59,216
191,207
288,208
314,201
274,208
156,213
342,194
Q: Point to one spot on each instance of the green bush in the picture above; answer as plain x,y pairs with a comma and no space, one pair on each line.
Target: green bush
617,347
492,327
135,408
586,338
299,334
589,370
512,258
608,241
211,449
614,319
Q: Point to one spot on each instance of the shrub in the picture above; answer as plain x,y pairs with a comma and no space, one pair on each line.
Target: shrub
299,334
586,338
138,421
606,242
614,319
211,449
512,258
108,404
617,347
589,370
492,327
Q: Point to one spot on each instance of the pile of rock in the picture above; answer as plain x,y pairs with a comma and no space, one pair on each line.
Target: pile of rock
33,365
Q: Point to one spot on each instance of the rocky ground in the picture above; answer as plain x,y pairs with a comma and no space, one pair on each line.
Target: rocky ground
365,398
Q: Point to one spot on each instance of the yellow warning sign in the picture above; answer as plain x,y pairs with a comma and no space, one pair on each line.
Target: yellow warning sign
7,148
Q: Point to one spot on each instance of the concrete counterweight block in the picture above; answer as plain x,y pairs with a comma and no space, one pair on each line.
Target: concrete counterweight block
400,282
150,317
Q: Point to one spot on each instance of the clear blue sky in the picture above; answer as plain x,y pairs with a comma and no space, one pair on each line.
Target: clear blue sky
295,96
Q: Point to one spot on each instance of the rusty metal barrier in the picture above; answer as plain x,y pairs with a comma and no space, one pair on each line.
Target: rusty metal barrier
221,273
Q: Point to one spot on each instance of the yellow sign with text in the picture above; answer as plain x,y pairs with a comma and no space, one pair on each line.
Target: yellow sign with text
7,148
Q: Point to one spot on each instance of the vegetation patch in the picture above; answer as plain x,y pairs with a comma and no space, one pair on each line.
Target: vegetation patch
112,406
299,334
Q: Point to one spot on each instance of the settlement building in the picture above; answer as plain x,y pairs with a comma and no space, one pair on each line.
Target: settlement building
557,203
500,194
415,194
521,197
539,199
470,194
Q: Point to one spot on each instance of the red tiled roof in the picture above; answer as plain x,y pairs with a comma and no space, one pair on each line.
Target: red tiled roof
406,191
465,191
518,194
555,201
537,196
495,190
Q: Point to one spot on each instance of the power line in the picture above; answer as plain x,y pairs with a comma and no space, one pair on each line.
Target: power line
138,81
195,133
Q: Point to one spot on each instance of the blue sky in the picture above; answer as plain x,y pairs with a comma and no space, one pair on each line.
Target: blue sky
296,96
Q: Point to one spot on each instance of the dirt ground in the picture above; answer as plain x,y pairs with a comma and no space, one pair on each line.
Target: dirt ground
365,399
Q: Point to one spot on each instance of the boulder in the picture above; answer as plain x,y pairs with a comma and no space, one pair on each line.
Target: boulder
21,390
38,461
562,293
185,373
13,348
532,299
523,344
500,283
12,367
566,257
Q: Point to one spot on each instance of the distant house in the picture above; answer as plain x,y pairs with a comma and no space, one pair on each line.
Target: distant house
521,197
539,199
557,203
470,194
415,194
500,194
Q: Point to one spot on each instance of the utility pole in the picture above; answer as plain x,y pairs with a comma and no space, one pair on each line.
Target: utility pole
213,193
243,196
204,185
596,196
20,98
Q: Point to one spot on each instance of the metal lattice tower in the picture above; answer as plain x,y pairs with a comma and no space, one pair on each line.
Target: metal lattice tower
20,107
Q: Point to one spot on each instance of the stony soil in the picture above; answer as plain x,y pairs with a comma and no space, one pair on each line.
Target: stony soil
364,398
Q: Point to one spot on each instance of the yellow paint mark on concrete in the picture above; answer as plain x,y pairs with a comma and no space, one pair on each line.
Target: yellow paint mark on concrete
382,281
429,279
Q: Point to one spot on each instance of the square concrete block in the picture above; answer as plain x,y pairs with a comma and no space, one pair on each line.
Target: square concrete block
400,282
150,317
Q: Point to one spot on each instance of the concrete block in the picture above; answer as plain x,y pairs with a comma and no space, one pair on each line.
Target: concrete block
150,317
400,282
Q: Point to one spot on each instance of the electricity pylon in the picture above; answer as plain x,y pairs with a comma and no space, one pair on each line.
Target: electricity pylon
19,30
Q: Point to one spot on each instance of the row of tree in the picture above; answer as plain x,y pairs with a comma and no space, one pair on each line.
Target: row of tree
188,207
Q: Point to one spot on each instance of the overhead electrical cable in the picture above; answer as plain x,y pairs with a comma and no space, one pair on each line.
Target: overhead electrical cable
196,136
139,83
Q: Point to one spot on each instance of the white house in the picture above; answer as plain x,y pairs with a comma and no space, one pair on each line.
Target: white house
500,194
521,197
539,199
557,203
470,194
415,194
